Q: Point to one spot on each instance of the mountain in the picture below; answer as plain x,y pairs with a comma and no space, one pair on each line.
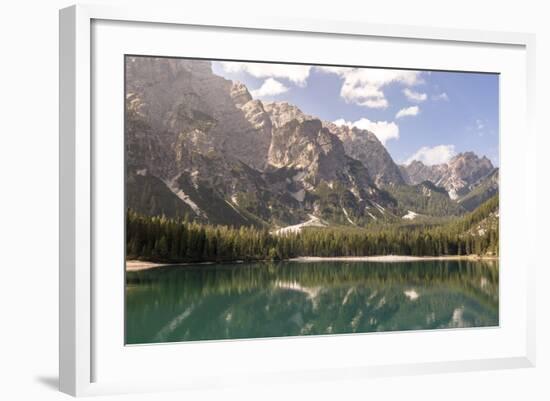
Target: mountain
364,146
361,145
458,176
183,101
186,138
416,172
304,143
200,146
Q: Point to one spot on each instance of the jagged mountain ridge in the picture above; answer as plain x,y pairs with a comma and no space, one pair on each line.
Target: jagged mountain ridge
364,146
458,176
199,145
210,143
359,144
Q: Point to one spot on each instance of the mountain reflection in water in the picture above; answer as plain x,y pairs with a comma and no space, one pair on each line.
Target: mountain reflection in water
230,301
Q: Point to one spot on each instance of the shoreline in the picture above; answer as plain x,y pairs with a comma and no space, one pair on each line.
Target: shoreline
389,258
138,265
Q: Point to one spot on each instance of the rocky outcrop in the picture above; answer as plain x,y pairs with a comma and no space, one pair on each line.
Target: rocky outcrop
282,113
317,157
416,172
240,94
361,145
364,146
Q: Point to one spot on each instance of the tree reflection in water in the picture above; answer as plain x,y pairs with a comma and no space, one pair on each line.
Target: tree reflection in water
228,301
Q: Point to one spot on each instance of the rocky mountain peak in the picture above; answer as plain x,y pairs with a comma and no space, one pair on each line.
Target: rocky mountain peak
416,164
282,112
240,94
470,160
456,176
295,143
191,106
365,147
467,168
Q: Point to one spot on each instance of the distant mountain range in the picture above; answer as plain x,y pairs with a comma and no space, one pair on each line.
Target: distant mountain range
458,176
200,146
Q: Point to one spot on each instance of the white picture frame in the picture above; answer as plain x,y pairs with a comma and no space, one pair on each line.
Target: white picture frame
80,341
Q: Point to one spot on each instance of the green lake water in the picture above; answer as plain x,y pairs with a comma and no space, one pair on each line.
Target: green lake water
253,300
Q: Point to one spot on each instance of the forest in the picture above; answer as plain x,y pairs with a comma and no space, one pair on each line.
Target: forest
160,239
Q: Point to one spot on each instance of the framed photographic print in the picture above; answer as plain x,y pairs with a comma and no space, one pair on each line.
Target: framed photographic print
346,200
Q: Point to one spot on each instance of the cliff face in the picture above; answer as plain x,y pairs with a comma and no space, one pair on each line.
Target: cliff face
364,146
185,101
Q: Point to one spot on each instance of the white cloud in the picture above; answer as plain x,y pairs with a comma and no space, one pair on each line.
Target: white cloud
270,87
408,111
434,155
297,74
415,96
441,96
383,130
334,70
364,86
480,125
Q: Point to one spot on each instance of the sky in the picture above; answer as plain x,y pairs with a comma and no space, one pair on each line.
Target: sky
418,115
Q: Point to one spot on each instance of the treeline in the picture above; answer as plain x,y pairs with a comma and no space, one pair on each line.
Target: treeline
176,240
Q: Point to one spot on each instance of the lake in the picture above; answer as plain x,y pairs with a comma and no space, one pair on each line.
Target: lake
253,300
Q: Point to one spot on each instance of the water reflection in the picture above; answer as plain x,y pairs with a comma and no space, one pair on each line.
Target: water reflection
290,298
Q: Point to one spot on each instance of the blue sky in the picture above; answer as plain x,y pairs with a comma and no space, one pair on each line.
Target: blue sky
423,115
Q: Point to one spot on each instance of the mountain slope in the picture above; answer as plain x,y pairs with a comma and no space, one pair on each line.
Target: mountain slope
426,199
481,222
480,191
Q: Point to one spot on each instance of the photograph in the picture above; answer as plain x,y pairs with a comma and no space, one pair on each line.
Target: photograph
266,199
